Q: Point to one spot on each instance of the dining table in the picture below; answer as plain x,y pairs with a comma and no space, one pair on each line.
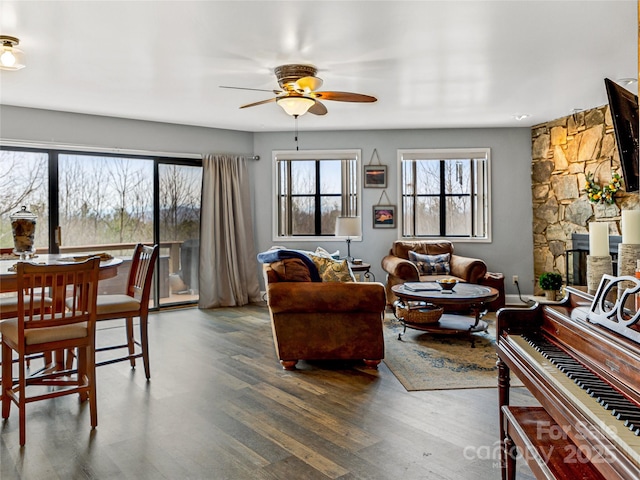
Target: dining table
8,277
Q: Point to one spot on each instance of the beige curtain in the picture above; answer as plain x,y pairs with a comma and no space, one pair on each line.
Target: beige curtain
228,264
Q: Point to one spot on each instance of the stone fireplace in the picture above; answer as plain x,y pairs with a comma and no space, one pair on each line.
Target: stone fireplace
564,151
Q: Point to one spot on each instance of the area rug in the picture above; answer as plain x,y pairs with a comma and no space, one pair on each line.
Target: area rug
424,361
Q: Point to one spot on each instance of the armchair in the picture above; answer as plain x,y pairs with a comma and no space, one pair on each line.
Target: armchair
400,269
314,320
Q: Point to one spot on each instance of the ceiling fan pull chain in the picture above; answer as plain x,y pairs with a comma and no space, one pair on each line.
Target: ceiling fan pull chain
296,134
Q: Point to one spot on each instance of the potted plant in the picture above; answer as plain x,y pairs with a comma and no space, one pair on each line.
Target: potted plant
550,282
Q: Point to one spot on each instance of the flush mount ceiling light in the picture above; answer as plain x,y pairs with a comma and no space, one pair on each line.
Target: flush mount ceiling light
295,105
11,58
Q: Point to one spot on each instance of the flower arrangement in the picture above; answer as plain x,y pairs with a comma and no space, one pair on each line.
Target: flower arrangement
605,194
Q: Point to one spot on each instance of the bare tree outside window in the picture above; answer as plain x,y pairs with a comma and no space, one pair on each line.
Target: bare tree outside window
24,182
445,193
180,188
315,189
105,200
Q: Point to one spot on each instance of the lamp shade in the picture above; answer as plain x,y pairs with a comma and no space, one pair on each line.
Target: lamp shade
296,105
348,227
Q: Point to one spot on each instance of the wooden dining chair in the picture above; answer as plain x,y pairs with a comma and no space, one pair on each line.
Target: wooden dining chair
9,303
134,302
50,330
9,309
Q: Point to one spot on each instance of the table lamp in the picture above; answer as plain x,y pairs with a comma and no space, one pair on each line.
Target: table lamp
348,227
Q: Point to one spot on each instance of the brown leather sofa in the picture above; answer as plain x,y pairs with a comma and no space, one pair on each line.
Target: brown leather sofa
400,269
325,320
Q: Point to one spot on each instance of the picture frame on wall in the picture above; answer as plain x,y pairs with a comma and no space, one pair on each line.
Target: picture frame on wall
384,216
375,176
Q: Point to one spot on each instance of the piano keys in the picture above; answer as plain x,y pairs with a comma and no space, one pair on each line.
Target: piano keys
586,378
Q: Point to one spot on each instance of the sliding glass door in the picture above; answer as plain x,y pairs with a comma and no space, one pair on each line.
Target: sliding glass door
90,203
179,221
105,204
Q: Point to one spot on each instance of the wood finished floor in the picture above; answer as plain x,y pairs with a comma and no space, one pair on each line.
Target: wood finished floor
219,406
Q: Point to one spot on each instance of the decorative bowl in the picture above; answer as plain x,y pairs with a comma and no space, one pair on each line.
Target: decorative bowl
447,283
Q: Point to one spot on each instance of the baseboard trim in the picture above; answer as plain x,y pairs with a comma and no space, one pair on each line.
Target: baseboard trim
514,300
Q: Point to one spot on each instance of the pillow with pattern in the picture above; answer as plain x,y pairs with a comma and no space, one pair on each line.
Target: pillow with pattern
431,264
331,270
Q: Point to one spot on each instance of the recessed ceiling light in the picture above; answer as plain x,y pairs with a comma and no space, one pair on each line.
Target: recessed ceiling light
521,116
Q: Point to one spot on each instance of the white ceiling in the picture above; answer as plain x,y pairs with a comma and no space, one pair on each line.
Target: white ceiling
430,64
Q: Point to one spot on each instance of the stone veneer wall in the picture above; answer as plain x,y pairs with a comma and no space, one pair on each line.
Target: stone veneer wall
563,151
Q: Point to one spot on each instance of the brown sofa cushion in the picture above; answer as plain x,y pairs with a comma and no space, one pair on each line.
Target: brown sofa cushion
327,298
291,270
402,248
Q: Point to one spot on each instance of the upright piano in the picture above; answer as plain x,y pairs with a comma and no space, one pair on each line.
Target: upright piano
580,359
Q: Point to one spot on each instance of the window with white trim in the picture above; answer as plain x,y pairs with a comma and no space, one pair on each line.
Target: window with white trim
445,193
313,188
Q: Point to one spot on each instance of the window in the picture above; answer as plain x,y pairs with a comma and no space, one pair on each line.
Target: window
92,202
445,193
104,199
313,188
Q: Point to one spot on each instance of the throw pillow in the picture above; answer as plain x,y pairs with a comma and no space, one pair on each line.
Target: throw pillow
291,270
431,264
333,270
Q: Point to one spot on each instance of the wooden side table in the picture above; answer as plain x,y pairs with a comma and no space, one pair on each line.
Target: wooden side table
364,269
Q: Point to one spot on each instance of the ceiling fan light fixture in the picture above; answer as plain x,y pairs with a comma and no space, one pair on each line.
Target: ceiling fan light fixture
295,105
11,58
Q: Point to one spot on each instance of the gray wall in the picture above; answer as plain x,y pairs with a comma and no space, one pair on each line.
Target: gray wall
34,125
510,252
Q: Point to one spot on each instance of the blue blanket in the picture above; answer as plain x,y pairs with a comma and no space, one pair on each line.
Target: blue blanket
271,256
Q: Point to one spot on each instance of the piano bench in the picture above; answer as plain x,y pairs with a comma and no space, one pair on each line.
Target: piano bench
548,451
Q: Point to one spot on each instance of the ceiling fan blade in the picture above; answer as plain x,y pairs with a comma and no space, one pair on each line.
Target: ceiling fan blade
345,97
318,109
308,84
255,104
277,92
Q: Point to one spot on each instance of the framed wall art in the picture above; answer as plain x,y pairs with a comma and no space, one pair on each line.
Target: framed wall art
384,216
375,176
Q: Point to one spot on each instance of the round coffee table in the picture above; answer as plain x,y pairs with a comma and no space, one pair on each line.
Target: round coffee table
463,295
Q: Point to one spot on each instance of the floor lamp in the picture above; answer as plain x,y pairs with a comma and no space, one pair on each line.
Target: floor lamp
348,227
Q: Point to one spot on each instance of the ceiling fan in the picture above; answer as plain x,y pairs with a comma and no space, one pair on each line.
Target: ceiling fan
299,91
